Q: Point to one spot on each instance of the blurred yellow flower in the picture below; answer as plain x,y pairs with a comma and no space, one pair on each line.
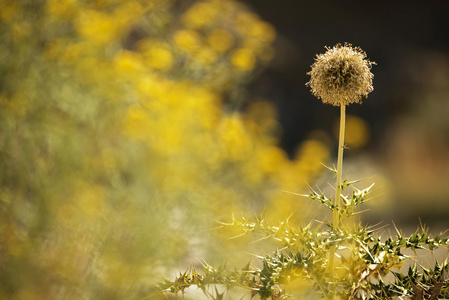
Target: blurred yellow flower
64,9
97,27
245,20
357,132
271,159
137,124
152,86
206,56
200,14
263,120
116,124
66,52
261,110
234,137
128,12
263,31
158,54
243,59
128,62
311,154
260,49
220,40
187,40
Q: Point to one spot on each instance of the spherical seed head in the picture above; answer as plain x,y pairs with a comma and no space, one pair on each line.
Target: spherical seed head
342,75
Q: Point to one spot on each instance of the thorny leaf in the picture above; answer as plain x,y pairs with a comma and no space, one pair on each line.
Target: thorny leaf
364,260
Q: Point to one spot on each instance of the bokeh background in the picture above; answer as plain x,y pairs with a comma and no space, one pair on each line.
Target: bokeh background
129,128
404,134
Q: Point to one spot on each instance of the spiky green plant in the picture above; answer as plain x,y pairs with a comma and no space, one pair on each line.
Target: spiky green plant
343,260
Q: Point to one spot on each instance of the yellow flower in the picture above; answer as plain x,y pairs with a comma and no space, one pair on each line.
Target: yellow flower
206,56
200,14
69,53
357,132
97,27
311,154
128,62
235,138
220,40
187,39
271,159
137,124
64,9
153,86
158,54
243,59
245,21
263,31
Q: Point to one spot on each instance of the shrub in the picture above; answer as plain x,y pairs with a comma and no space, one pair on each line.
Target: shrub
119,120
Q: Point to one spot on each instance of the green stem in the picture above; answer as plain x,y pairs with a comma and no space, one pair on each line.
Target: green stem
322,287
341,141
338,188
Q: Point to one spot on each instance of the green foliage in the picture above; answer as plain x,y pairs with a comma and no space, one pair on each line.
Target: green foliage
365,267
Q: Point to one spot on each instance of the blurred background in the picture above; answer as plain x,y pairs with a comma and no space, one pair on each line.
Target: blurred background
129,128
400,133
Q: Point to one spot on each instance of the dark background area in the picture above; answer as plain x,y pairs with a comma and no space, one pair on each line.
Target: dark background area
407,112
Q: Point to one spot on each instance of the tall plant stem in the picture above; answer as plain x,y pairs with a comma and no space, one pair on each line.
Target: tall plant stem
341,142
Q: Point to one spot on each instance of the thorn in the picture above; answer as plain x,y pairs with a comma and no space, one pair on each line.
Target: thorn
360,180
302,195
333,170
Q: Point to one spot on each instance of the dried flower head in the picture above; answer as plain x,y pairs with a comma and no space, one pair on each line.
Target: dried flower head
342,75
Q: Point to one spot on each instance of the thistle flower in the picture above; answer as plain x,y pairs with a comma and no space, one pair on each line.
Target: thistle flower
341,75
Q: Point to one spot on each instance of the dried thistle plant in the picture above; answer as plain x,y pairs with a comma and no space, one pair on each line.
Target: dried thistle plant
342,75
337,262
